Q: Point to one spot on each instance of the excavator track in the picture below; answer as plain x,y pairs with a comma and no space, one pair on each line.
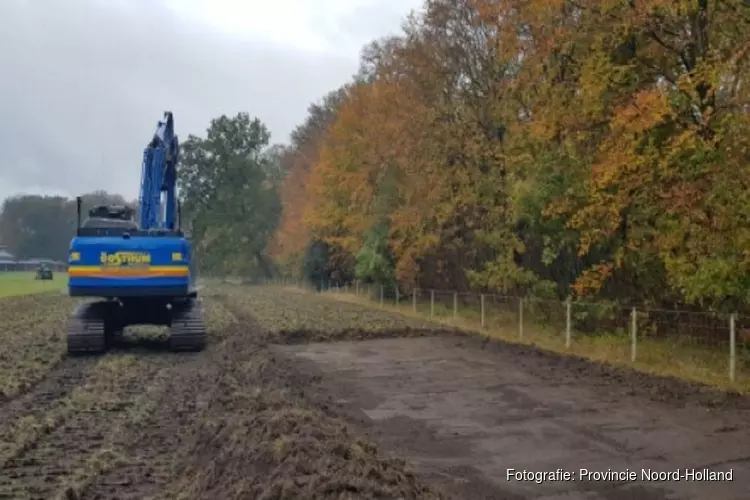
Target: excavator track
188,329
87,329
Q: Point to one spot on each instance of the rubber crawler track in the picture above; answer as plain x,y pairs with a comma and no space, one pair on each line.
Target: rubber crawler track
87,330
188,331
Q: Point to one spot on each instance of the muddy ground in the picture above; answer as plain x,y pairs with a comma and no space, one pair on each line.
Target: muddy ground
463,416
231,422
283,404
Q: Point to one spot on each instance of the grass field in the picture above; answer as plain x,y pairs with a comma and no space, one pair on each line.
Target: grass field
23,283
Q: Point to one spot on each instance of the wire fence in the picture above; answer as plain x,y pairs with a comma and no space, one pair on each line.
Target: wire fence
702,346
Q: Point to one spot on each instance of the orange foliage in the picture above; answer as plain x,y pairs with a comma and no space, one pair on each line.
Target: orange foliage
291,237
526,140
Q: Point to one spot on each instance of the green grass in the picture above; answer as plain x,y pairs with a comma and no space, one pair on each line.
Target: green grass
23,283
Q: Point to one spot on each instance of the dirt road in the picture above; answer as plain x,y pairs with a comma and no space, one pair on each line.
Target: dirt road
469,416
263,413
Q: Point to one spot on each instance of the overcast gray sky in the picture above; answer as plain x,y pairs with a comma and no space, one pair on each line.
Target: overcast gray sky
83,82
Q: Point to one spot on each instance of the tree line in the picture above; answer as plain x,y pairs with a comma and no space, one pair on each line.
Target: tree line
560,147
597,149
35,226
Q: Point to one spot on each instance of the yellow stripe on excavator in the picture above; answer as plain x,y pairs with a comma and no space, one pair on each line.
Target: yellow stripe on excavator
104,271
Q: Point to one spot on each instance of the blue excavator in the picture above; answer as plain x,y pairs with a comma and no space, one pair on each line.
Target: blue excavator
141,272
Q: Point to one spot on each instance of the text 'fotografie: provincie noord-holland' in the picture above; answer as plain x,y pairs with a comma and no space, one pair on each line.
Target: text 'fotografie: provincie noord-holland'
618,475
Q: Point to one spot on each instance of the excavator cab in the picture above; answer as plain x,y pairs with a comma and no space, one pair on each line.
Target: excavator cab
109,220
119,212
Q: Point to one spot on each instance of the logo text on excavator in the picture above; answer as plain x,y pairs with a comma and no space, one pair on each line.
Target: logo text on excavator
125,259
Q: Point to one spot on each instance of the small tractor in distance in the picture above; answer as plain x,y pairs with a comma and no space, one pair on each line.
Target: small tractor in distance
44,272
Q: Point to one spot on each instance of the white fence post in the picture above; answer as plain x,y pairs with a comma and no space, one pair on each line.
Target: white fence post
633,335
732,347
414,299
455,305
481,306
432,303
568,321
520,318
398,295
357,287
381,296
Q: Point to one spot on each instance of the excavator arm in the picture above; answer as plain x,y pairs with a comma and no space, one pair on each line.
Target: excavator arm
158,196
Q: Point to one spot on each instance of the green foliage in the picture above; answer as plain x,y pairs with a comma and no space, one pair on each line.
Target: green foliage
315,268
374,262
34,226
228,187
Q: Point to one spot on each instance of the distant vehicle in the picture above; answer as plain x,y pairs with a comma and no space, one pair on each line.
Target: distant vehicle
44,272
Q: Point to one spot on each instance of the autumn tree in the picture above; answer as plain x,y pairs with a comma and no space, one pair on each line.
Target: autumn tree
291,240
594,148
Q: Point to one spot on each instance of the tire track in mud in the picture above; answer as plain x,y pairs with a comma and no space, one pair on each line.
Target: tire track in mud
33,347
148,446
184,399
60,382
58,447
75,428
173,403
